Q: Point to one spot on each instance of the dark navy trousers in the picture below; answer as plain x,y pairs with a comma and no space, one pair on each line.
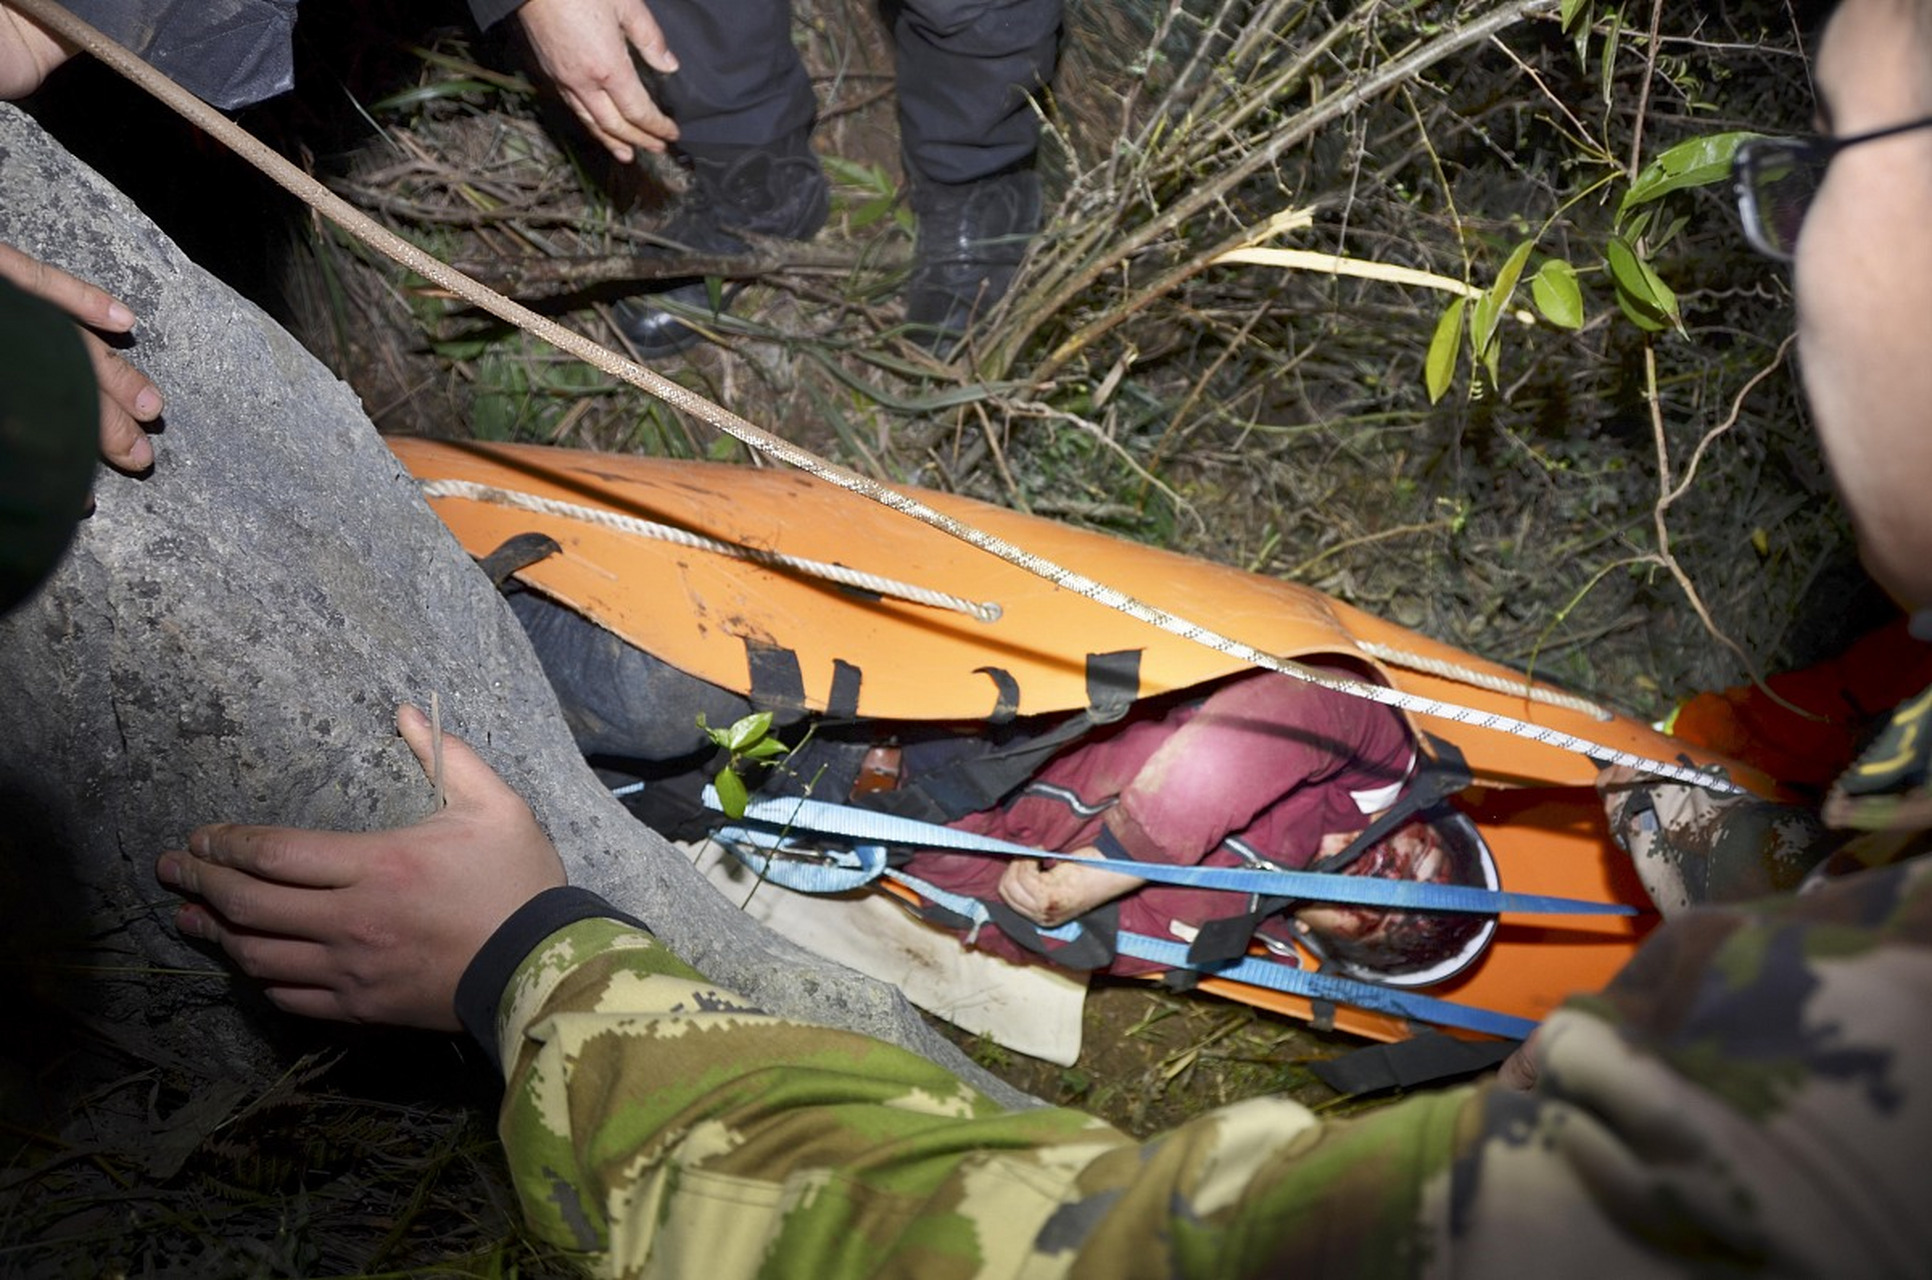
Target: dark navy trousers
966,70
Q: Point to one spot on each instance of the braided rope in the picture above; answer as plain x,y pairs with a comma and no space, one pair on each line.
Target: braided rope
1519,686
433,269
988,611
872,582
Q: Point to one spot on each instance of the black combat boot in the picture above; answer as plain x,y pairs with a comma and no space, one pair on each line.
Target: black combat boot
777,190
972,236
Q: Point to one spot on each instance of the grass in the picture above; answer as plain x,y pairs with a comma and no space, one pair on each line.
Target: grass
1271,419
121,1159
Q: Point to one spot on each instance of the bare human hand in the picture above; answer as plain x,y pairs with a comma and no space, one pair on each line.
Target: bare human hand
1520,1069
128,398
584,46
28,52
369,926
1053,895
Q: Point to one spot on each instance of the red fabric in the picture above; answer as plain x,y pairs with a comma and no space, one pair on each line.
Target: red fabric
1266,761
1844,696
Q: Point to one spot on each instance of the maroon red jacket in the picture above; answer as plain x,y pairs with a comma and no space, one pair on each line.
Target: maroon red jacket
1258,771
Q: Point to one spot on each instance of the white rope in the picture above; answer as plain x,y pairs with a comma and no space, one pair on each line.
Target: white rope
872,582
989,611
1414,703
437,272
1514,686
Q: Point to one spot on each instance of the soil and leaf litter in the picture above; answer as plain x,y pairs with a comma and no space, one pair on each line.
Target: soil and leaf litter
1570,442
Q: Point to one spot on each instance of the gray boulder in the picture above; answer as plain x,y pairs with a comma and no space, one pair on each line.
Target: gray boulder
227,641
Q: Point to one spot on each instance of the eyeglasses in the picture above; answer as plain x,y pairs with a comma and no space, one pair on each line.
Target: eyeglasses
1776,178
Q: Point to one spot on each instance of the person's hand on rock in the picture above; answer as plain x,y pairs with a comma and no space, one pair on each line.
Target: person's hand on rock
128,398
369,926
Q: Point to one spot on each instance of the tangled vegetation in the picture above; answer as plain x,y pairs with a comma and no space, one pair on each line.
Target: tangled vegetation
1540,489
1427,305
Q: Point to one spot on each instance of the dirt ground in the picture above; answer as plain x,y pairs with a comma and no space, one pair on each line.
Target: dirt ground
1271,422
1151,1059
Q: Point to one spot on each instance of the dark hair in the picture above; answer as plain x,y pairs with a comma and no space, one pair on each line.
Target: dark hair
1412,940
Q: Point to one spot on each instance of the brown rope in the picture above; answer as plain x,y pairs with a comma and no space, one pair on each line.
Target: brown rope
353,220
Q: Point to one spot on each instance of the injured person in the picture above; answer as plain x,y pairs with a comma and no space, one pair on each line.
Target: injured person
1256,771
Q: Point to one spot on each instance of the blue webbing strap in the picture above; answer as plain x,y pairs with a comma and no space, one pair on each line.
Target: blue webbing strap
1275,975
791,814
837,871
1322,986
805,869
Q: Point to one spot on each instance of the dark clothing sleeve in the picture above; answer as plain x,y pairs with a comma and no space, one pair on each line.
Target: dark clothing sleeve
228,53
480,990
1750,1097
490,12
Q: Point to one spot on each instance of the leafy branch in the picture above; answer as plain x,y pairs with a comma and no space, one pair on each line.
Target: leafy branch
751,746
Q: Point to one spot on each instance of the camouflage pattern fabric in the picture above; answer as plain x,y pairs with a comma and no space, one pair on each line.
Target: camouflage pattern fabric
1889,787
1752,1095
1691,845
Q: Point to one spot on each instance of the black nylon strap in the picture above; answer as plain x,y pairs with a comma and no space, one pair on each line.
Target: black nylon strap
777,684
480,990
1225,939
516,554
843,701
1422,1059
1445,773
977,783
980,782
1093,949
1006,695
1113,683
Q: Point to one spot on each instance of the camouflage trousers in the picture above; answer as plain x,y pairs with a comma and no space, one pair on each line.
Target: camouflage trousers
1753,1094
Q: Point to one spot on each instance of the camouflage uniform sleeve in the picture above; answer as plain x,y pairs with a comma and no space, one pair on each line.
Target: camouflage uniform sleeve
1752,1095
1691,845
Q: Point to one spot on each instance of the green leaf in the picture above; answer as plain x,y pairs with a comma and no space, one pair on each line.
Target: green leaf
1440,367
494,416
717,736
765,749
867,177
1609,66
462,348
1494,303
1657,241
732,796
1570,10
870,212
1697,162
1558,297
1638,286
747,730
423,94
1642,317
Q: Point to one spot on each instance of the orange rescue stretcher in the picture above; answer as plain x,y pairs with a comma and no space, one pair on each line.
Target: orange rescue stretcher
768,631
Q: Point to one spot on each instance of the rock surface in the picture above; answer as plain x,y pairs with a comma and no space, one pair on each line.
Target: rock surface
230,635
